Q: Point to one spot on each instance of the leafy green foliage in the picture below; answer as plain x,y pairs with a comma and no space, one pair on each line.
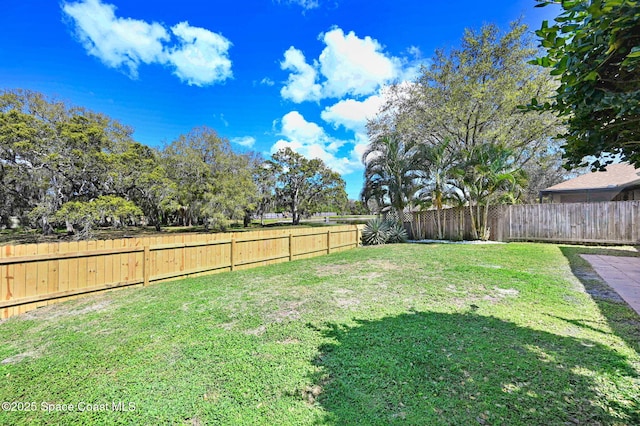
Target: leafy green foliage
594,47
263,199
305,186
142,175
490,176
54,155
457,135
438,166
104,209
213,182
391,170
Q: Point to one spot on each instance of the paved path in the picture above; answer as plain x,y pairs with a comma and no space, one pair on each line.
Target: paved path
621,273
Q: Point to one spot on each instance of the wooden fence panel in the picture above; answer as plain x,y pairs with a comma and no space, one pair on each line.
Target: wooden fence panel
456,223
35,275
601,222
7,275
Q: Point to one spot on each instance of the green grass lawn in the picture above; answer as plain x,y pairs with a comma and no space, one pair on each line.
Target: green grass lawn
406,334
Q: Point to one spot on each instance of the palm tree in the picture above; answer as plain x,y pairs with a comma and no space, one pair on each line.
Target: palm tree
437,163
391,172
488,174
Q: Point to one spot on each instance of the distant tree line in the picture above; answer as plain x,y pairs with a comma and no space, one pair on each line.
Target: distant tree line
66,166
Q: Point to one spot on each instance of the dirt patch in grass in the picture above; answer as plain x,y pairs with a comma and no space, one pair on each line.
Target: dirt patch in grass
506,292
290,311
256,331
330,270
369,270
289,341
384,265
60,311
347,303
194,422
227,325
496,295
19,357
371,276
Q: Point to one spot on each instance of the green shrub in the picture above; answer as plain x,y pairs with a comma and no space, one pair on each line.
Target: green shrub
378,231
397,233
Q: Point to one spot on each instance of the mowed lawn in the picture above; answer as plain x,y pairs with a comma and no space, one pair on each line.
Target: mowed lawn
513,334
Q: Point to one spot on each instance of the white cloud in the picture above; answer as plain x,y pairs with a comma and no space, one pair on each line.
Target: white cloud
267,82
309,139
415,52
348,65
199,58
305,4
356,66
353,114
118,42
246,141
202,57
294,126
301,85
222,119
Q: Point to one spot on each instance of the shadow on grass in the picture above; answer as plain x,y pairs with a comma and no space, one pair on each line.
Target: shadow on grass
438,368
623,320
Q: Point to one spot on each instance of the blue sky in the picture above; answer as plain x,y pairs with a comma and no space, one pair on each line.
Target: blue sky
264,73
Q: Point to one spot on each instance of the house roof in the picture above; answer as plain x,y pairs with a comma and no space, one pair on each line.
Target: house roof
617,176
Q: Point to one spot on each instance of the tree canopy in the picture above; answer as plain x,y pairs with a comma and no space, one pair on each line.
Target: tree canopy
63,165
459,129
304,185
594,47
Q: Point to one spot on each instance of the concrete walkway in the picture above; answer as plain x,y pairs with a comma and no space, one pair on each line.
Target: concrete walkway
621,273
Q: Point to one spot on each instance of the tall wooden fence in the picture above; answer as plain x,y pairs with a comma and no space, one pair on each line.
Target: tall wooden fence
616,222
34,275
456,223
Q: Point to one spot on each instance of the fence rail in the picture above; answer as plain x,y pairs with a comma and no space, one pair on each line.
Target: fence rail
616,222
35,275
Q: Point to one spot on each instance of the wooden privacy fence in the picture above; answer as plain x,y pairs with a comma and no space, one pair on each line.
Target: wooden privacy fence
615,222
35,275
456,223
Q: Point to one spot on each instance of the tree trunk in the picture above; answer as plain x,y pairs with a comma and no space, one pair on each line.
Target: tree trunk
485,231
69,227
444,225
474,224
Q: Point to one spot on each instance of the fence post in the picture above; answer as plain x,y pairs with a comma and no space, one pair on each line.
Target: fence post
233,250
510,224
329,242
146,265
357,236
290,246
